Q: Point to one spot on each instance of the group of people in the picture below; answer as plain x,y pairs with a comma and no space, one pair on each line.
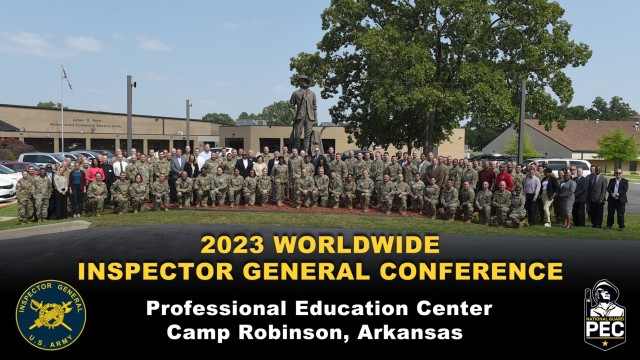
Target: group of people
483,192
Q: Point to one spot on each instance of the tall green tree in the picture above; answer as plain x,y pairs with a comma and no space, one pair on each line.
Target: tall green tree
579,112
479,133
407,72
219,118
49,105
528,150
277,113
616,146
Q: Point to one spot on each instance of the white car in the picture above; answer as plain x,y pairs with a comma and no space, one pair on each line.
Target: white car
8,174
7,190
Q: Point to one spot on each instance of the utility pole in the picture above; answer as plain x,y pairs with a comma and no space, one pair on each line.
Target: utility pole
523,100
187,129
130,86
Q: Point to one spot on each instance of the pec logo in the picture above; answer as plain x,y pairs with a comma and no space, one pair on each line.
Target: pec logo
50,315
604,318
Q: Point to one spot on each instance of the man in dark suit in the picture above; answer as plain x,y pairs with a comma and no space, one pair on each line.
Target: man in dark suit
578,210
436,170
109,178
244,164
177,165
271,163
617,190
596,193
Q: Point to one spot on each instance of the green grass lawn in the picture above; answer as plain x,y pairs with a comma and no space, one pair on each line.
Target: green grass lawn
343,221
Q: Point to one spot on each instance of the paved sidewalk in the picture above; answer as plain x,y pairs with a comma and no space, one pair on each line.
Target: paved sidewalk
43,229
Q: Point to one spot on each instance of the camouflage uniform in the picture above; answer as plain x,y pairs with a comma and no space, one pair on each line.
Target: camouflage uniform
162,166
322,190
97,193
120,196
280,174
202,186
471,176
132,170
455,174
417,195
484,198
264,189
228,166
311,169
450,198
365,188
43,191
306,187
349,193
139,193
393,170
146,171
295,169
160,194
502,202
335,191
518,181
350,162
467,203
249,189
377,171
431,199
409,171
211,165
24,190
358,167
235,189
340,168
219,188
517,212
403,192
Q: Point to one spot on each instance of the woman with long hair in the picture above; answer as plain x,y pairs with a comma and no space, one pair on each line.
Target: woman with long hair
192,168
61,189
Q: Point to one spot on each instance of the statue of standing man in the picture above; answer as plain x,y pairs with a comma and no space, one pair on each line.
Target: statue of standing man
304,108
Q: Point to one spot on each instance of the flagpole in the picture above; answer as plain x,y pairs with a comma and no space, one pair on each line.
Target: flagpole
62,103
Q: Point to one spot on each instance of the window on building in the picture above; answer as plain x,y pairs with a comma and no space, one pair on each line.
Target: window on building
41,144
234,143
137,144
71,144
181,144
272,143
327,143
287,142
158,145
103,144
633,165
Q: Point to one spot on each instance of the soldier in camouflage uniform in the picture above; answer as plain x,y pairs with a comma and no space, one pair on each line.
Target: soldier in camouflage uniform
455,174
501,203
484,198
44,190
160,193
335,190
321,192
264,186
417,194
449,200
409,170
24,192
228,165
393,170
132,170
97,193
306,186
376,173
211,164
120,194
340,167
236,182
139,193
359,166
349,192
161,166
518,179
307,164
467,201
280,174
432,197
364,190
295,167
350,162
403,194
219,187
517,213
470,175
202,186
249,188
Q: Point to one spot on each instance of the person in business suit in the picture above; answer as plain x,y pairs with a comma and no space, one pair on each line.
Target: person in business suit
617,190
596,193
109,177
177,165
271,163
244,164
578,210
436,171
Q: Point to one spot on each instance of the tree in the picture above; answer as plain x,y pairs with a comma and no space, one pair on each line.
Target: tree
579,112
479,134
617,146
222,119
407,72
49,105
512,147
277,113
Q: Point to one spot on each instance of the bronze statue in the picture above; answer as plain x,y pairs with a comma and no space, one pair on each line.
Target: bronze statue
304,108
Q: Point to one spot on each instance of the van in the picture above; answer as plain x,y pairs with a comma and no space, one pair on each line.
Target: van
41,159
557,164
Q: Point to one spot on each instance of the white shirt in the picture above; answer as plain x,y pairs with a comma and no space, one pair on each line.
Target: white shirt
615,190
117,169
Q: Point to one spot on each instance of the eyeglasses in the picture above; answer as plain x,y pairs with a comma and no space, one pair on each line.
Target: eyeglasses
618,173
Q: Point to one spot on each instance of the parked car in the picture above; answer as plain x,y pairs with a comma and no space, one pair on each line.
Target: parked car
557,163
8,174
73,157
41,159
19,166
493,157
86,153
346,154
7,190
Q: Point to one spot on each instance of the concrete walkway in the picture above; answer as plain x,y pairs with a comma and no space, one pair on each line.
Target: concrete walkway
43,229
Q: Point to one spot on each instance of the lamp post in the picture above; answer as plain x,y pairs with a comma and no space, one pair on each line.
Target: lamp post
130,86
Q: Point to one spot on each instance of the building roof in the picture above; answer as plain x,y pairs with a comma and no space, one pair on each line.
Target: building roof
583,135
7,127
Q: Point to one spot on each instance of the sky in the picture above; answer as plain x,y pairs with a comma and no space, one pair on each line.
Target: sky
230,56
